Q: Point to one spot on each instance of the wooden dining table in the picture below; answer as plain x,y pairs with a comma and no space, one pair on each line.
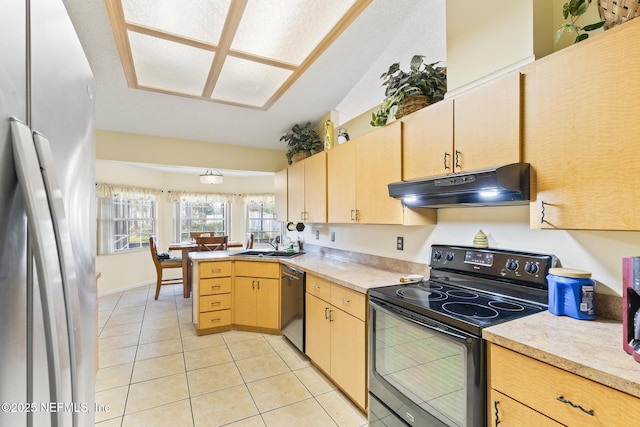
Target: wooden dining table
185,248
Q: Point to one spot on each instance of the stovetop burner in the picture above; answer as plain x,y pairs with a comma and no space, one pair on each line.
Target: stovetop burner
470,309
420,294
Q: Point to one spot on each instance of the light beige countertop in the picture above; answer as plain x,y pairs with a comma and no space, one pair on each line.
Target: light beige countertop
591,349
358,277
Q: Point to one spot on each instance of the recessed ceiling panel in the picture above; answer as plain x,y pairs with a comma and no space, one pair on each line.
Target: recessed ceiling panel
197,19
169,66
243,52
287,30
248,82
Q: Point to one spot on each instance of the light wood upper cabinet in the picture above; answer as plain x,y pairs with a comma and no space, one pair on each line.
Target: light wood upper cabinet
478,129
341,183
487,125
358,174
280,190
427,141
307,189
586,134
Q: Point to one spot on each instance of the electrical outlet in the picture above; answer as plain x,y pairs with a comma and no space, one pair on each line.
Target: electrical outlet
400,243
317,234
333,236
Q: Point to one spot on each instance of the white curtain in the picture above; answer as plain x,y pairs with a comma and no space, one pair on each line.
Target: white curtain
184,196
106,190
265,198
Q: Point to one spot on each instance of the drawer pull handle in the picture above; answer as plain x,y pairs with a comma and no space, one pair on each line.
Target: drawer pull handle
573,405
215,270
495,405
215,302
217,319
346,301
215,287
316,287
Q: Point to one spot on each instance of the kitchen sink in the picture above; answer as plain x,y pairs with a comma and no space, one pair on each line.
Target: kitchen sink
268,254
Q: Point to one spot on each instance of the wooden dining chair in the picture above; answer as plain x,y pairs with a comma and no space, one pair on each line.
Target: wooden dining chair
218,243
249,241
161,264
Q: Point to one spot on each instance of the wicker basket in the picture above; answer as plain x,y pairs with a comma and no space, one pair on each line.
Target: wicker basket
616,12
300,155
411,104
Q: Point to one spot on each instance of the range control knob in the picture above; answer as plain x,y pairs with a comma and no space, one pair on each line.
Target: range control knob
511,265
531,267
449,256
437,255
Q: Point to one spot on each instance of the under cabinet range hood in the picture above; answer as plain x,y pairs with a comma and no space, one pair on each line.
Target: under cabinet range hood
504,185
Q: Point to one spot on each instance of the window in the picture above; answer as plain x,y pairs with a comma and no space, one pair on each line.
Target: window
262,222
125,223
199,215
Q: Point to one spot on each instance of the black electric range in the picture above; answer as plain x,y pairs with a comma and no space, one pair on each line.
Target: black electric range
472,288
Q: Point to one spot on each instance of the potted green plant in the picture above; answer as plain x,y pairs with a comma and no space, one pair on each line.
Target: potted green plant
408,91
302,141
574,9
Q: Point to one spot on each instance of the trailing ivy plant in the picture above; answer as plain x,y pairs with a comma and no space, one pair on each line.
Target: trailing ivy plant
575,9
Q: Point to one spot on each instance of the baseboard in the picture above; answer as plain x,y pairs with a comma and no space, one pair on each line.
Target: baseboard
126,288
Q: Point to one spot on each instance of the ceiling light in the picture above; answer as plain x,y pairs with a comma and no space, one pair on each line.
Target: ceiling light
211,178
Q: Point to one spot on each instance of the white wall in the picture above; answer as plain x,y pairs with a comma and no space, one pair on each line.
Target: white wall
599,252
133,268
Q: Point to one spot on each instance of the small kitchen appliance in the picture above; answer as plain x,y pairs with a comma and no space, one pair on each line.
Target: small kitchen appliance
427,363
631,306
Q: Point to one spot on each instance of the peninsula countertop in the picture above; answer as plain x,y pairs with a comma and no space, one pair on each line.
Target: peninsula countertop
359,277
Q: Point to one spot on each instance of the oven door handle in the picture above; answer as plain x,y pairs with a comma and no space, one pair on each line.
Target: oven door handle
433,326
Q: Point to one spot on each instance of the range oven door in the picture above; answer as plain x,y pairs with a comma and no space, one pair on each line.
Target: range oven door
423,372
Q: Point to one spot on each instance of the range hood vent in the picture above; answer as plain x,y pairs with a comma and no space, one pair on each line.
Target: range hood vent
504,185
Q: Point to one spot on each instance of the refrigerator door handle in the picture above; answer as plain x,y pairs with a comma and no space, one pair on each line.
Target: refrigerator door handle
65,254
41,236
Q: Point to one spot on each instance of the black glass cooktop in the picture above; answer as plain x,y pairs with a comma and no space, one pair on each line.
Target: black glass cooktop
467,309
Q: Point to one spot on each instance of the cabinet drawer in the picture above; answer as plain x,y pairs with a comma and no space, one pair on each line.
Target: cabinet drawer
215,269
350,301
540,386
318,287
221,285
215,302
213,319
258,269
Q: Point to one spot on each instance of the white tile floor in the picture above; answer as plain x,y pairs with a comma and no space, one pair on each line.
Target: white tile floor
155,371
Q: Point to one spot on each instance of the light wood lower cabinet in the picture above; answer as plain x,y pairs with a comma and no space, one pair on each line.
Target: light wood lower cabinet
551,392
257,295
506,412
336,340
214,297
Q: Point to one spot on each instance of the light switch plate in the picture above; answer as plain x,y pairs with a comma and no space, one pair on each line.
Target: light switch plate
333,236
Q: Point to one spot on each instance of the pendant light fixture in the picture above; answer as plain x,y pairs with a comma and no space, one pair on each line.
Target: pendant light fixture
211,178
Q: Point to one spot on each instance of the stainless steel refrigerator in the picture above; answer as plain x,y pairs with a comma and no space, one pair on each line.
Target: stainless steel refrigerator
47,250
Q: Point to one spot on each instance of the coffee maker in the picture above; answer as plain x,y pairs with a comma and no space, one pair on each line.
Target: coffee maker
631,306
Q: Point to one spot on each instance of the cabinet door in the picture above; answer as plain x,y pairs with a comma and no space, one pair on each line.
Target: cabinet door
315,188
506,412
244,301
378,163
348,355
427,142
268,303
280,190
295,191
587,137
341,183
487,124
318,332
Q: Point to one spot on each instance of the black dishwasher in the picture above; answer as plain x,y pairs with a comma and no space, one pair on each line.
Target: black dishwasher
292,305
